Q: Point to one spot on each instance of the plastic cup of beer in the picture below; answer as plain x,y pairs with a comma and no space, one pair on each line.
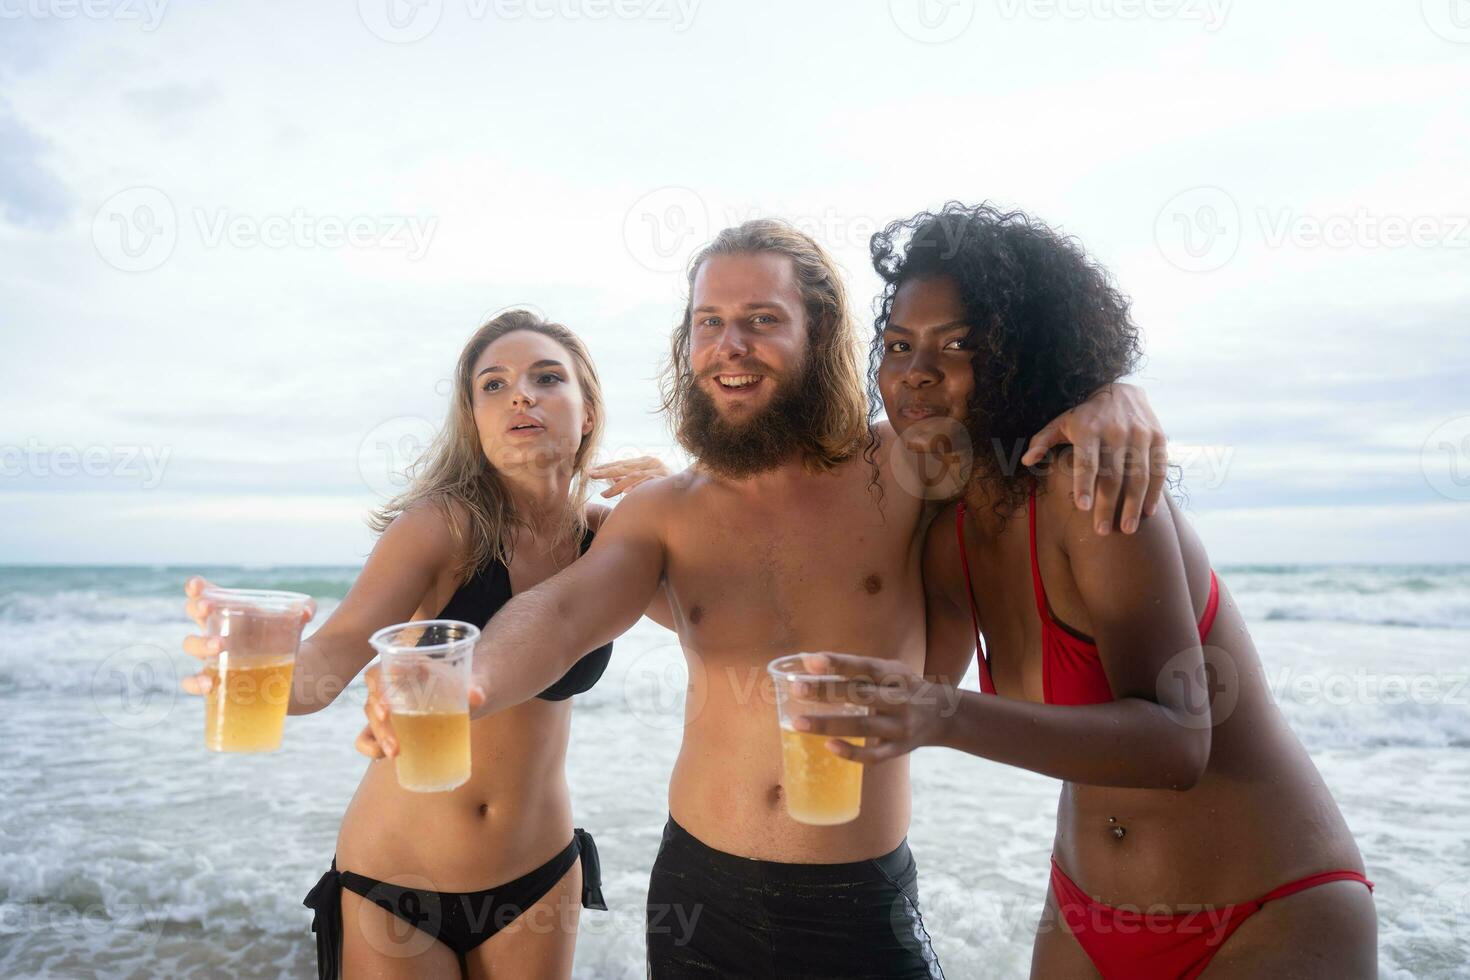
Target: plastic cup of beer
259,631
822,789
425,679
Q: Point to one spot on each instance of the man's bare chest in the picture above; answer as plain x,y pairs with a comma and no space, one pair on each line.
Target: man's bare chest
818,578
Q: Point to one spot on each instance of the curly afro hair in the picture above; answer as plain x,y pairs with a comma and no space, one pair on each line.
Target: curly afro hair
1047,326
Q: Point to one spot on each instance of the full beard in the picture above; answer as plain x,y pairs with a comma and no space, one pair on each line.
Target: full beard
736,450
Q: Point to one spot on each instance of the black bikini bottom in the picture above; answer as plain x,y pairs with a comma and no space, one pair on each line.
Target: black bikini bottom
459,920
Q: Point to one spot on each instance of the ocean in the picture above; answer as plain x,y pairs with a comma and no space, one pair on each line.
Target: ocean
130,851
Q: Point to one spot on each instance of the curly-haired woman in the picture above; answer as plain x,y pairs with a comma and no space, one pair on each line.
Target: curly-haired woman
1190,814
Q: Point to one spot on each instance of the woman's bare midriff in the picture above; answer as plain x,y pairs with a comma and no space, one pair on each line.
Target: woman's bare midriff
512,816
1260,816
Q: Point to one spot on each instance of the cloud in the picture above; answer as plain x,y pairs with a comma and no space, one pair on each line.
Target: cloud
31,195
533,143
170,105
1314,534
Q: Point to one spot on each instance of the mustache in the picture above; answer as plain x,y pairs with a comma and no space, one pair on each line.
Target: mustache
743,367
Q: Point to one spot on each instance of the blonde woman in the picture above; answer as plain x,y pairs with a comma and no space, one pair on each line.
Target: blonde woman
491,875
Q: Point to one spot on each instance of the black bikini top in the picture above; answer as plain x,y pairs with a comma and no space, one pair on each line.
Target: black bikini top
488,589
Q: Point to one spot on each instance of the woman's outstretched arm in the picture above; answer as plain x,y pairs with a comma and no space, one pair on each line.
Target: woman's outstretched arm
406,561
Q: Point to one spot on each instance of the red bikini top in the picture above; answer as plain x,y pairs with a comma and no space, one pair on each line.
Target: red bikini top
1071,668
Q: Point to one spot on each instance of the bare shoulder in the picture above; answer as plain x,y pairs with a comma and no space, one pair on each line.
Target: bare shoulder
596,514
1058,519
441,518
671,489
1054,497
1074,529
647,505
431,532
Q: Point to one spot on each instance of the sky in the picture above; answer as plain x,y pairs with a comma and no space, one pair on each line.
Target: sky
242,245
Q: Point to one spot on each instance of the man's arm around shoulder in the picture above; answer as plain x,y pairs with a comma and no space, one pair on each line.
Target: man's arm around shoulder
538,635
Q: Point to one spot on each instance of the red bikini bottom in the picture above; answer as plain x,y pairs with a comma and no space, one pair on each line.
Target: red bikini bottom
1153,946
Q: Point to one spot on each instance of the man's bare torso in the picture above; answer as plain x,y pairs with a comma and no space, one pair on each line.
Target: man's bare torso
785,563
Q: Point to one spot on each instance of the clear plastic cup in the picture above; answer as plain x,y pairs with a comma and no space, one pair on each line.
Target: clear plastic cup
822,789
425,679
259,632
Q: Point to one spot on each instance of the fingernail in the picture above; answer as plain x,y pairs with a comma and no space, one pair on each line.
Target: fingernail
1151,509
1084,501
1130,524
1103,527
801,724
381,712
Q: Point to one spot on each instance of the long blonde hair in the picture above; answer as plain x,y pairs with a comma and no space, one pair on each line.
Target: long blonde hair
454,468
840,427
